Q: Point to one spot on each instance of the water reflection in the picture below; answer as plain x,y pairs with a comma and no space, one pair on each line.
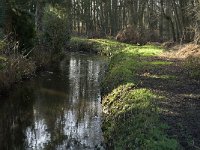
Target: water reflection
58,110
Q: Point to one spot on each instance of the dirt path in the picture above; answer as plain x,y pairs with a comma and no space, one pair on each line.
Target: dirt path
180,108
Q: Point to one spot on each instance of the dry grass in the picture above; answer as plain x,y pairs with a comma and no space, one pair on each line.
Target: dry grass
183,51
14,70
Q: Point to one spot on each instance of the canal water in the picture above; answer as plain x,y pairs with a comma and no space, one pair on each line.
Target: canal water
59,109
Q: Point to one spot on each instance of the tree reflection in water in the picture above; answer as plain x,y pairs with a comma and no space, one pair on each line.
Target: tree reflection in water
62,111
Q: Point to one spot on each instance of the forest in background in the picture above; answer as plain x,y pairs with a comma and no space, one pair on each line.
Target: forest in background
150,20
138,20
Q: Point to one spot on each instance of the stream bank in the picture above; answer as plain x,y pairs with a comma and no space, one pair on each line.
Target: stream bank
16,67
131,112
58,109
150,99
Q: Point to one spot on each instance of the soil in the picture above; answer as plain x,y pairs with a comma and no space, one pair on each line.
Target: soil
180,108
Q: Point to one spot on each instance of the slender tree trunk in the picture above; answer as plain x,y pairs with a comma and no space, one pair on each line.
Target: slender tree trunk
8,18
161,20
38,15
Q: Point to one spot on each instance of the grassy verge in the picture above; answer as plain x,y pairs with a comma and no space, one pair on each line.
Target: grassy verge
131,120
131,114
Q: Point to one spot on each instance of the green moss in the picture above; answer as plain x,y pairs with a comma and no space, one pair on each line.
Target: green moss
116,76
145,50
167,77
161,63
112,47
131,120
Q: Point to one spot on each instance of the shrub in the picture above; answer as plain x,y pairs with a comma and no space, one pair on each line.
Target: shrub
55,23
24,28
128,34
137,36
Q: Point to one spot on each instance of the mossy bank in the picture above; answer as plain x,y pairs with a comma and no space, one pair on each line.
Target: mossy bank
130,113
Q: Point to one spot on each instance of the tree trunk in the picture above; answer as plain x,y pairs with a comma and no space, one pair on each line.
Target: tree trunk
38,19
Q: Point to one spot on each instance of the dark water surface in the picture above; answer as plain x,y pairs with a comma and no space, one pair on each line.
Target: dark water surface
59,109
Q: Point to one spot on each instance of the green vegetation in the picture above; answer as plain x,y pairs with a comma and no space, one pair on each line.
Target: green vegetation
112,47
139,126
23,25
158,63
32,38
56,30
131,119
80,44
35,33
13,66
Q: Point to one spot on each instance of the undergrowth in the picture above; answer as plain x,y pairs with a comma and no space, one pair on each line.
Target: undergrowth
15,66
13,70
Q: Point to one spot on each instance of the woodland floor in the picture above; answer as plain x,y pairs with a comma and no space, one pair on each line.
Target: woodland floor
180,108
